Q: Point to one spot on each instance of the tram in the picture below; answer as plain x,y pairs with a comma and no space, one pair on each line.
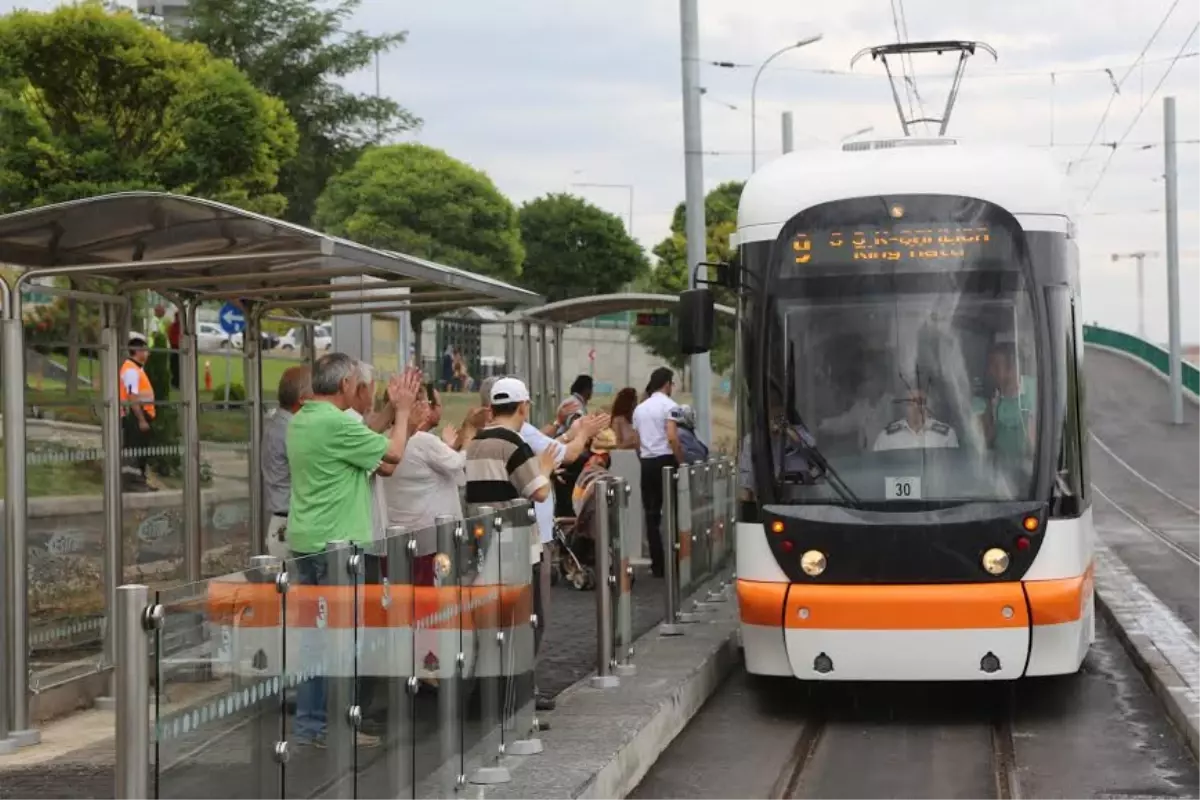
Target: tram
913,499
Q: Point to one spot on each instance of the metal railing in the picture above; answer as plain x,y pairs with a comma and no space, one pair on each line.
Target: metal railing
409,662
698,526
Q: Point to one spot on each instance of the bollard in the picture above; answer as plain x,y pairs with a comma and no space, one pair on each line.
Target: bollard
133,624
624,667
604,679
670,537
342,714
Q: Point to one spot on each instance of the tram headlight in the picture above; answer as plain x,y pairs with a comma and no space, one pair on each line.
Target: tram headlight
995,561
813,563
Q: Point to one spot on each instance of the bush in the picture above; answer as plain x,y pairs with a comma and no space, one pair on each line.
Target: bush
165,432
237,393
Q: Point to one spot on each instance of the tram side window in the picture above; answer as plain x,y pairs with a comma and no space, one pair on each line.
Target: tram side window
1069,492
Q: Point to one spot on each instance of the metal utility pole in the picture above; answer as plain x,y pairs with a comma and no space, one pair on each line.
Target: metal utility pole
693,167
1173,260
754,90
788,141
1140,258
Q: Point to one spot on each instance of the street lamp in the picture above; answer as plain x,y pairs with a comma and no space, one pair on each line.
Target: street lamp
754,89
1140,258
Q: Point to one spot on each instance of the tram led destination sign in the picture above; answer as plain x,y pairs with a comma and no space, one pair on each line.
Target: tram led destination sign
899,243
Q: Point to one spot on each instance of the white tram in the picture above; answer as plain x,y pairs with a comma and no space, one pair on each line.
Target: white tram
914,499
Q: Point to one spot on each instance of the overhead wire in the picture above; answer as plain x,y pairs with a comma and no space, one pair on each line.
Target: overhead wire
903,66
1116,90
1138,115
912,69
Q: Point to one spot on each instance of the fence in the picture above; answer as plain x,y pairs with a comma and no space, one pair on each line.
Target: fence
402,669
697,529
409,663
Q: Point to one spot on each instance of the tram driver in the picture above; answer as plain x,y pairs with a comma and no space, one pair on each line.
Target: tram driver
917,429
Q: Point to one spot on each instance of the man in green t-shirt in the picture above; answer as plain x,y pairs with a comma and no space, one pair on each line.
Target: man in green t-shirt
331,456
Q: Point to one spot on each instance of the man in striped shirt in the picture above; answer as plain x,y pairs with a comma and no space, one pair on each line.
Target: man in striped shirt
501,468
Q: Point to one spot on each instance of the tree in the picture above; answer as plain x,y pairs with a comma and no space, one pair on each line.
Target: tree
297,50
94,102
574,249
420,201
670,275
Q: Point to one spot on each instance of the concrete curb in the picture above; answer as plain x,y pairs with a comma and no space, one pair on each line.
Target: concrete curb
1164,650
602,742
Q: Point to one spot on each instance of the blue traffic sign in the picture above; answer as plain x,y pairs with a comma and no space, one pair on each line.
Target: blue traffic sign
232,319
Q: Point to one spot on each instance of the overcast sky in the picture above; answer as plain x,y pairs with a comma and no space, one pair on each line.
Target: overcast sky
542,94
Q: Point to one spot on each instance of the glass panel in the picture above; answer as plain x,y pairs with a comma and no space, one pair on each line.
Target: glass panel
64,473
218,702
702,476
320,639
622,595
686,533
437,647
483,667
385,662
516,622
225,530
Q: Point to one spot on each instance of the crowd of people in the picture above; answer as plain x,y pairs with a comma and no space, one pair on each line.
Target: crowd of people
338,465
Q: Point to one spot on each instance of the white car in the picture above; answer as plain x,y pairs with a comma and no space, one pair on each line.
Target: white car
322,336
209,336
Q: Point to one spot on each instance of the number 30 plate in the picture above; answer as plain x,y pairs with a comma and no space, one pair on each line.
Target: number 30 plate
903,488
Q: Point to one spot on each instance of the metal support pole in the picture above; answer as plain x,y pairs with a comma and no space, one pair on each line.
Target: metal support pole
527,368
252,376
544,389
1141,294
559,383
624,656
189,384
16,521
450,536
10,330
670,545
510,348
111,336
401,548
1172,181
601,538
693,162
341,714
132,616
789,143
268,751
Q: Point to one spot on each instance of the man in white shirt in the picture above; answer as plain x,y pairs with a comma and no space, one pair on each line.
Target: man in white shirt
917,430
658,447
566,449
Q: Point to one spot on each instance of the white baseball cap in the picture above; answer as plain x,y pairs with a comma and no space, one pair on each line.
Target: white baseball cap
507,391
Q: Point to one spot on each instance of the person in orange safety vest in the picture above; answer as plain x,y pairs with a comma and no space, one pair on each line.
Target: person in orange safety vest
137,415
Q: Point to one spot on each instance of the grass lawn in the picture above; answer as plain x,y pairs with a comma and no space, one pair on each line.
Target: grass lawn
68,478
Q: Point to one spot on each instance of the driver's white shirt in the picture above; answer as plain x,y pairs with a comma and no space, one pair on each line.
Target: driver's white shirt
900,436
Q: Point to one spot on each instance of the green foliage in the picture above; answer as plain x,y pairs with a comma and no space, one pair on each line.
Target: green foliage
420,201
299,51
94,102
574,249
237,393
670,275
50,323
165,432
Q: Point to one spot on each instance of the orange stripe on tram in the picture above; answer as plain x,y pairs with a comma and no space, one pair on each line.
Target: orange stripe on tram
1062,600
258,605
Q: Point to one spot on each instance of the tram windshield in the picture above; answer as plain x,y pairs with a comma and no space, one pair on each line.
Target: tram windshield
900,378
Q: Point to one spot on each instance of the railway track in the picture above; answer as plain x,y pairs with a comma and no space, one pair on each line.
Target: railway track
1185,514
1004,783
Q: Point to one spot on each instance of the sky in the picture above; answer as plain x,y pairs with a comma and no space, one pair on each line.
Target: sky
542,95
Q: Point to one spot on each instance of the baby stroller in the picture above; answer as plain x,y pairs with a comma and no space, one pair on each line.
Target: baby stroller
575,545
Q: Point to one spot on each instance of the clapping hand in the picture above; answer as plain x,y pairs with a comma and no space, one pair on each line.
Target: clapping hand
450,435
547,461
403,389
